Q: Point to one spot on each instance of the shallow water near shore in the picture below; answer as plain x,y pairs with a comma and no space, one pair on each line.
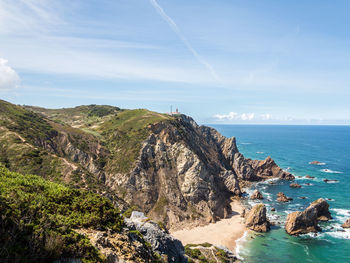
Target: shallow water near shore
293,148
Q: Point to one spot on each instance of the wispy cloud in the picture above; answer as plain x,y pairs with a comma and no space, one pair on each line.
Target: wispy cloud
8,77
176,29
235,116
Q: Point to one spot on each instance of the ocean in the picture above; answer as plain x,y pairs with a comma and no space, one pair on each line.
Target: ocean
293,148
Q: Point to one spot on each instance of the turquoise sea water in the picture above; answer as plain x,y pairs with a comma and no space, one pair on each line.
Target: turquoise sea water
293,148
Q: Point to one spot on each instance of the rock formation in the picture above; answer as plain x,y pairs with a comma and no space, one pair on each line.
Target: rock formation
307,220
256,219
322,208
302,222
281,197
295,185
162,242
346,223
256,195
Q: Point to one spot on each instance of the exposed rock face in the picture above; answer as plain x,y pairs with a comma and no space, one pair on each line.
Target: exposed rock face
346,223
302,222
281,197
119,247
306,221
163,243
256,219
256,195
295,185
322,208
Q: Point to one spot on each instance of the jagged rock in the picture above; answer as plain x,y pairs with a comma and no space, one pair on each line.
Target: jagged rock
346,223
273,209
302,222
281,197
329,181
322,208
256,219
306,221
244,211
161,242
295,185
256,195
302,197
315,162
268,168
309,177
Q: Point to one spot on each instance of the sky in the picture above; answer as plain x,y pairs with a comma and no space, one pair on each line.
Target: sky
222,61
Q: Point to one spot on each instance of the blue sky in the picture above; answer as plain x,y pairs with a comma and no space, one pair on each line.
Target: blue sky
222,61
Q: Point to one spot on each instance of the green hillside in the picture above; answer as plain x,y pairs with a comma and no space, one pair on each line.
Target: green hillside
38,217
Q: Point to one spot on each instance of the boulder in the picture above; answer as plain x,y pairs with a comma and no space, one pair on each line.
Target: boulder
315,162
309,177
256,195
322,208
161,241
281,197
273,209
329,181
256,219
295,185
302,222
346,223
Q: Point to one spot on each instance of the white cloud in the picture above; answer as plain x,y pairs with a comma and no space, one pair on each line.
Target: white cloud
266,117
8,77
235,116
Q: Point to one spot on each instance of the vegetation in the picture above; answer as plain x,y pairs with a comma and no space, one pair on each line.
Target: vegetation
125,133
38,218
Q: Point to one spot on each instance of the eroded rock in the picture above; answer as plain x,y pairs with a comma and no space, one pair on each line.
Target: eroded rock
295,185
256,219
256,195
322,208
281,197
346,223
302,222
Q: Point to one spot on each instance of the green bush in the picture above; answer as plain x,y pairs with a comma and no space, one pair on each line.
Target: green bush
38,218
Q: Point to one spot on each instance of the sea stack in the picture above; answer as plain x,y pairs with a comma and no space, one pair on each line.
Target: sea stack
256,195
256,219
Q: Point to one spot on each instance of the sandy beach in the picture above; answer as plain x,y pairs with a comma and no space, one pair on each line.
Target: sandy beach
224,232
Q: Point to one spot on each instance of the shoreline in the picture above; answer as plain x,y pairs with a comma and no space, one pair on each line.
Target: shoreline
221,233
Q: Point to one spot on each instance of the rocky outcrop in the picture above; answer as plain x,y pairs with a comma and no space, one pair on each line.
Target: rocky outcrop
302,222
322,208
256,219
346,223
169,248
281,197
256,195
307,220
295,185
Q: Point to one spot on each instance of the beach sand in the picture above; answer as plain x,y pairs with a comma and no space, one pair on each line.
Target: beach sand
224,232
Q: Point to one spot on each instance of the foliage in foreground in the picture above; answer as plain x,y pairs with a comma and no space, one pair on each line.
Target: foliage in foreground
37,218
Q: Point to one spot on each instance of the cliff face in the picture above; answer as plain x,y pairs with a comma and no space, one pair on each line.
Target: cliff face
169,167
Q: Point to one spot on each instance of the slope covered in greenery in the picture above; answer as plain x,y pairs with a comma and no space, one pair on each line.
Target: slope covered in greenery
38,218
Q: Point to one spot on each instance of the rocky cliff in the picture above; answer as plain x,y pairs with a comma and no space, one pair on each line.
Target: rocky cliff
168,167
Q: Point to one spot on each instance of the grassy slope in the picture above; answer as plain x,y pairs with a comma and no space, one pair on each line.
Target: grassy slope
38,217
124,134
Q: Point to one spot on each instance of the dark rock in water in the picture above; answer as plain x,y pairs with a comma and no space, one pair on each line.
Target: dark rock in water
272,182
281,197
315,162
302,197
256,219
295,185
302,222
346,223
307,184
309,177
273,209
322,208
330,181
256,195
